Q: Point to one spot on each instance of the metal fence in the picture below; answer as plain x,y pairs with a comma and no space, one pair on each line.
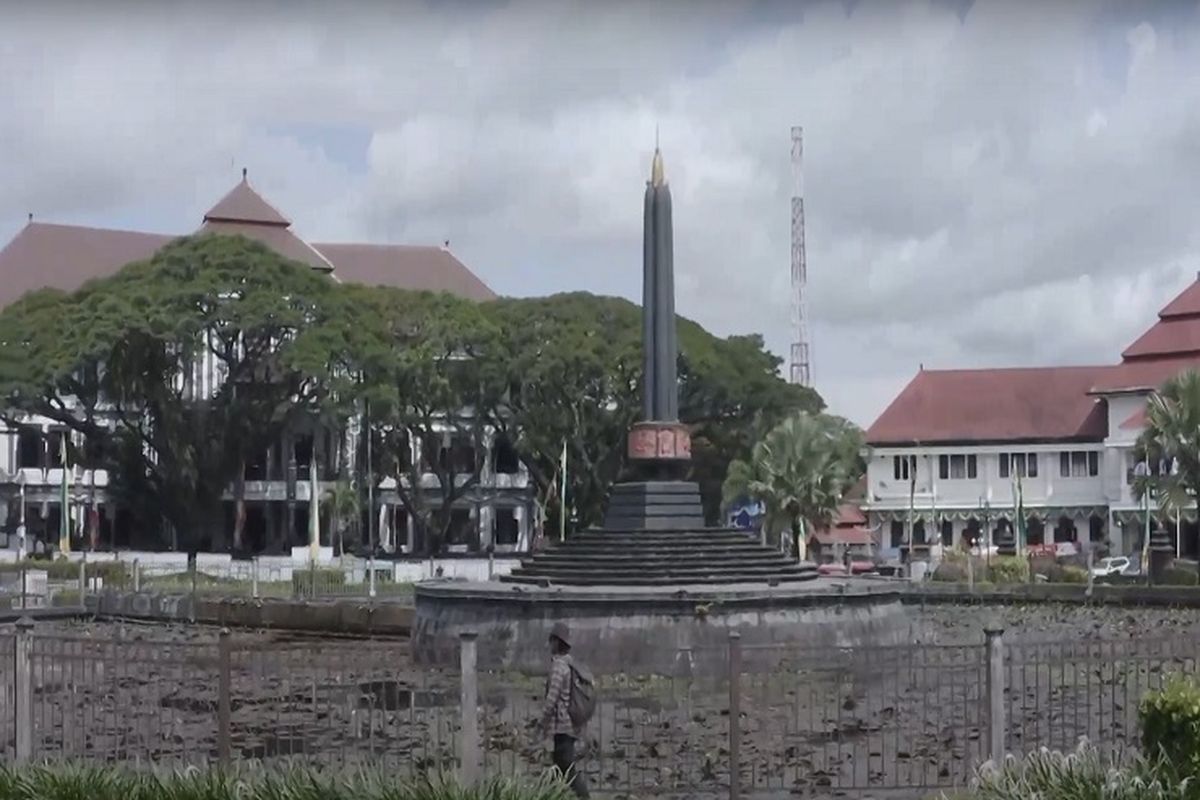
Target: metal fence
804,723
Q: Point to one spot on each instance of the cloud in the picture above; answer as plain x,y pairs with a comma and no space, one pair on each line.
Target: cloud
986,183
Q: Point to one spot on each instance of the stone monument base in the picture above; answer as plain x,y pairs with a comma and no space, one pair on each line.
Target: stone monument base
654,506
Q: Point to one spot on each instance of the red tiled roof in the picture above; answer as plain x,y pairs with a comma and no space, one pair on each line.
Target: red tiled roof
65,257
850,514
1021,404
1186,303
47,256
1142,376
243,204
409,266
281,240
1171,337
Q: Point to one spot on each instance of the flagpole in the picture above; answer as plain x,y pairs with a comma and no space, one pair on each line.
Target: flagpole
314,514
64,517
562,514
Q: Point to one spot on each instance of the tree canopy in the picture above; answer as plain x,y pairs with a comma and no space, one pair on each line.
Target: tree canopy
123,362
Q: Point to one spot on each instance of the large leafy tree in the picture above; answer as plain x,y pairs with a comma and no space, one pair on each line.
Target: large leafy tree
571,365
799,472
121,362
1170,443
423,362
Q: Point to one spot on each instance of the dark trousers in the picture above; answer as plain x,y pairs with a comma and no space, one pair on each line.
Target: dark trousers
564,762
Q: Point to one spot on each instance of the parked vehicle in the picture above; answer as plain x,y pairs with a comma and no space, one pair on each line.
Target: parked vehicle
1112,565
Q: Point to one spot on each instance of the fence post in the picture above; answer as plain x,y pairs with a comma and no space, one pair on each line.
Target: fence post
996,722
312,578
254,577
735,715
970,573
371,576
471,751
24,588
1091,563
192,569
137,575
224,698
83,582
23,689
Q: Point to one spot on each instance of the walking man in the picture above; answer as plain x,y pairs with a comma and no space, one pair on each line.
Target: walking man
570,700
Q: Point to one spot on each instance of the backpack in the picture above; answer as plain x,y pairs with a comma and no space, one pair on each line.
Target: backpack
581,704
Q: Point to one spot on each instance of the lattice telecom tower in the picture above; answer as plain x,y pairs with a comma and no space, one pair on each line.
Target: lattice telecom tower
801,366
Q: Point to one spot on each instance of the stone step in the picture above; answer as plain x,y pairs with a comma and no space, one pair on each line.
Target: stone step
715,548
622,560
677,574
681,539
663,551
625,580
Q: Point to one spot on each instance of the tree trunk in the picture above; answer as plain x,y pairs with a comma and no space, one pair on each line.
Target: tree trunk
239,503
796,533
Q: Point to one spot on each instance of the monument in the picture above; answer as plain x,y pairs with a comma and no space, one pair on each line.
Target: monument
653,579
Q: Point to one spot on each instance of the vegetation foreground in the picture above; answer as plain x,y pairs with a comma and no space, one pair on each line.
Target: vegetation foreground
1169,720
108,783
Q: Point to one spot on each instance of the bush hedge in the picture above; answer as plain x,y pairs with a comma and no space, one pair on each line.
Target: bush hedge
1170,723
1008,570
108,783
1179,576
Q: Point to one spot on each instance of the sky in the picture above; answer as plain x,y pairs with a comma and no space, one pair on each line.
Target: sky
1000,182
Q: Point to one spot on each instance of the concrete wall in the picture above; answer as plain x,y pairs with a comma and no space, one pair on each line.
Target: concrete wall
612,632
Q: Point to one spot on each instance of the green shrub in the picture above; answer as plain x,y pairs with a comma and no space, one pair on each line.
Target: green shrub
1008,570
68,782
1179,576
1170,723
950,572
1081,775
1073,574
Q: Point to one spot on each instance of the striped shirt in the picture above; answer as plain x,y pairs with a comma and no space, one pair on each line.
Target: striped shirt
556,716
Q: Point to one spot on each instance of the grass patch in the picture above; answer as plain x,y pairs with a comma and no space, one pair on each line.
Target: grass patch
70,782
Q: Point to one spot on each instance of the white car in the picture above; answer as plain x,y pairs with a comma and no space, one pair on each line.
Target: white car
1110,565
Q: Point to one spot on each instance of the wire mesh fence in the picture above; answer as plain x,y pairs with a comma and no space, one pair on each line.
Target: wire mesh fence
746,720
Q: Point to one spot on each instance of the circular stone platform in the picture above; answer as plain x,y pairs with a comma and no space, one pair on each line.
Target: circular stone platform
643,628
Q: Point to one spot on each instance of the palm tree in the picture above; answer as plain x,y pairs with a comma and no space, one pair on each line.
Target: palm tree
1170,443
799,472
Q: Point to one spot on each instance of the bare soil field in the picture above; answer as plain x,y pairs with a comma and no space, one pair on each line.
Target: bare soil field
907,719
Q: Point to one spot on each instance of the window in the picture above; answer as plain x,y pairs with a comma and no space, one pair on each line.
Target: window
507,462
957,467
29,447
904,467
948,532
1022,464
897,533
1079,464
505,529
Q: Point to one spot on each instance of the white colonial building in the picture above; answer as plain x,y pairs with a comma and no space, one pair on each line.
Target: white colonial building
496,514
947,453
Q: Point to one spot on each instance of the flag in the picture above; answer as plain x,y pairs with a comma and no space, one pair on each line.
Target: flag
64,518
314,515
562,495
912,497
1018,510
1146,507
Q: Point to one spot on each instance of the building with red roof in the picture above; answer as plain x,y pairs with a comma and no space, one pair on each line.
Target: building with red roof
48,255
955,449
